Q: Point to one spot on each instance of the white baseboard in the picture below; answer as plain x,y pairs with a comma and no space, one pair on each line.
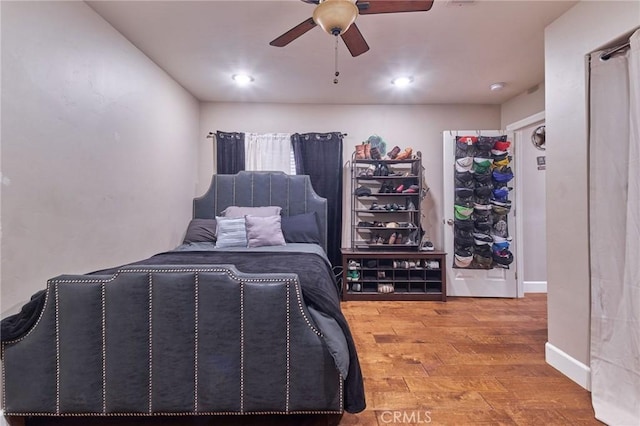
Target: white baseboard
535,286
570,367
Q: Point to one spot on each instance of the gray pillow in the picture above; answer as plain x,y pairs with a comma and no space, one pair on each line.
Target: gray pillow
201,230
264,231
236,211
231,232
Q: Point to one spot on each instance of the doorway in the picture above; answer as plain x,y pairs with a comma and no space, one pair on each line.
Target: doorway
531,203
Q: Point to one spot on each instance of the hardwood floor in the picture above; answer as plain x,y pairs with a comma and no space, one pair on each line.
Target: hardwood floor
467,361
464,362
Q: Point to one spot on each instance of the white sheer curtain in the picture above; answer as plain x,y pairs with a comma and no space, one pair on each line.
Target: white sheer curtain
269,151
614,212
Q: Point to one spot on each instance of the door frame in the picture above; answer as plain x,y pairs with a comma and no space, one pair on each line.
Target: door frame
517,128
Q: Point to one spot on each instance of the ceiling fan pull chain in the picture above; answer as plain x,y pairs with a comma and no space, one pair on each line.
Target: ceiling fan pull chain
337,73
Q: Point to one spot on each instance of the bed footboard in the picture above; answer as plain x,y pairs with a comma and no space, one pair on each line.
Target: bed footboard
171,340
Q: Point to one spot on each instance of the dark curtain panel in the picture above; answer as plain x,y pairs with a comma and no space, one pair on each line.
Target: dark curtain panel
319,155
229,152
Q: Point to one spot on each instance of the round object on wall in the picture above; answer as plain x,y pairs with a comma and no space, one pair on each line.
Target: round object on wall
538,137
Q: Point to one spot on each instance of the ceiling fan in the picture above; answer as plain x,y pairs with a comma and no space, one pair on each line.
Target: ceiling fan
337,17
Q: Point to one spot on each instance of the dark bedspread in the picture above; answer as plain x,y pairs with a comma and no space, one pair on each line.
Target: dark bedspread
318,289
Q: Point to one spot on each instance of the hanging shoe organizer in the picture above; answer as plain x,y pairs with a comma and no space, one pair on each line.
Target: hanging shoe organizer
482,174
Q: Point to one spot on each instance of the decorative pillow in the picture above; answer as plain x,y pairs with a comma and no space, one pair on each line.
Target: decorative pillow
264,231
235,211
231,232
201,230
301,228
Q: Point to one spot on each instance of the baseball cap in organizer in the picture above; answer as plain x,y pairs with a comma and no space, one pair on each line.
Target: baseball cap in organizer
501,145
500,229
502,245
482,262
502,175
461,261
503,257
466,225
483,178
464,238
500,194
464,164
462,177
486,143
462,212
465,145
481,165
482,239
464,192
481,209
500,210
483,223
482,192
501,163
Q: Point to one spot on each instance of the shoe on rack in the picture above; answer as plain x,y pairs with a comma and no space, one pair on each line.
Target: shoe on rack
356,287
426,244
394,152
405,154
385,288
353,265
362,191
392,238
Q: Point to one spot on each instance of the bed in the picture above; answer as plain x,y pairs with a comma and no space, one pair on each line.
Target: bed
199,330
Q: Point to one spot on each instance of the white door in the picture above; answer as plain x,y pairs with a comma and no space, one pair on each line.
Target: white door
465,281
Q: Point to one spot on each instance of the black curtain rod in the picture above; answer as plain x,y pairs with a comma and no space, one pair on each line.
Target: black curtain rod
606,55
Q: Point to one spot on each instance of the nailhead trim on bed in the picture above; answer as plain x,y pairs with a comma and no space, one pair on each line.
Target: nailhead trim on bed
150,343
104,347
195,335
57,354
286,407
52,287
242,347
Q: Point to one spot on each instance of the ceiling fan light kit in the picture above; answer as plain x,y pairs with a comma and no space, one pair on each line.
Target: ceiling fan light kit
335,16
402,81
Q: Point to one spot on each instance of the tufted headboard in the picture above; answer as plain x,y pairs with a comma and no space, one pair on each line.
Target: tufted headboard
293,193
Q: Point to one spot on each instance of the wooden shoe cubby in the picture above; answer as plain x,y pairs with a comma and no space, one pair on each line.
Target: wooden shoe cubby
422,277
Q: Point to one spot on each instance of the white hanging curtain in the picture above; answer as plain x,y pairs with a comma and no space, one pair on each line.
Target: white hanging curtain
614,215
269,151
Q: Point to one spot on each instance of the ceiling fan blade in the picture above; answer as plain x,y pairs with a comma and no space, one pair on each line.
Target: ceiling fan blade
354,41
293,33
311,1
370,7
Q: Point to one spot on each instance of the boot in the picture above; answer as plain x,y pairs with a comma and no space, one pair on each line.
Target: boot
375,154
367,150
394,152
404,155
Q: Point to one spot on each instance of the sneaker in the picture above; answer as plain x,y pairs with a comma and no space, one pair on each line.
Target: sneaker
356,287
426,245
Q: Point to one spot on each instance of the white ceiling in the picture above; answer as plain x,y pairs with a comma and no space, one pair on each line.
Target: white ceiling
454,52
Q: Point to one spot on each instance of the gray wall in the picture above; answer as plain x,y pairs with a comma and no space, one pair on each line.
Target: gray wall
418,126
582,29
99,148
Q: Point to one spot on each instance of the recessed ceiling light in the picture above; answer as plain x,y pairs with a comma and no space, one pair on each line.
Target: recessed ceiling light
497,86
242,79
402,81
